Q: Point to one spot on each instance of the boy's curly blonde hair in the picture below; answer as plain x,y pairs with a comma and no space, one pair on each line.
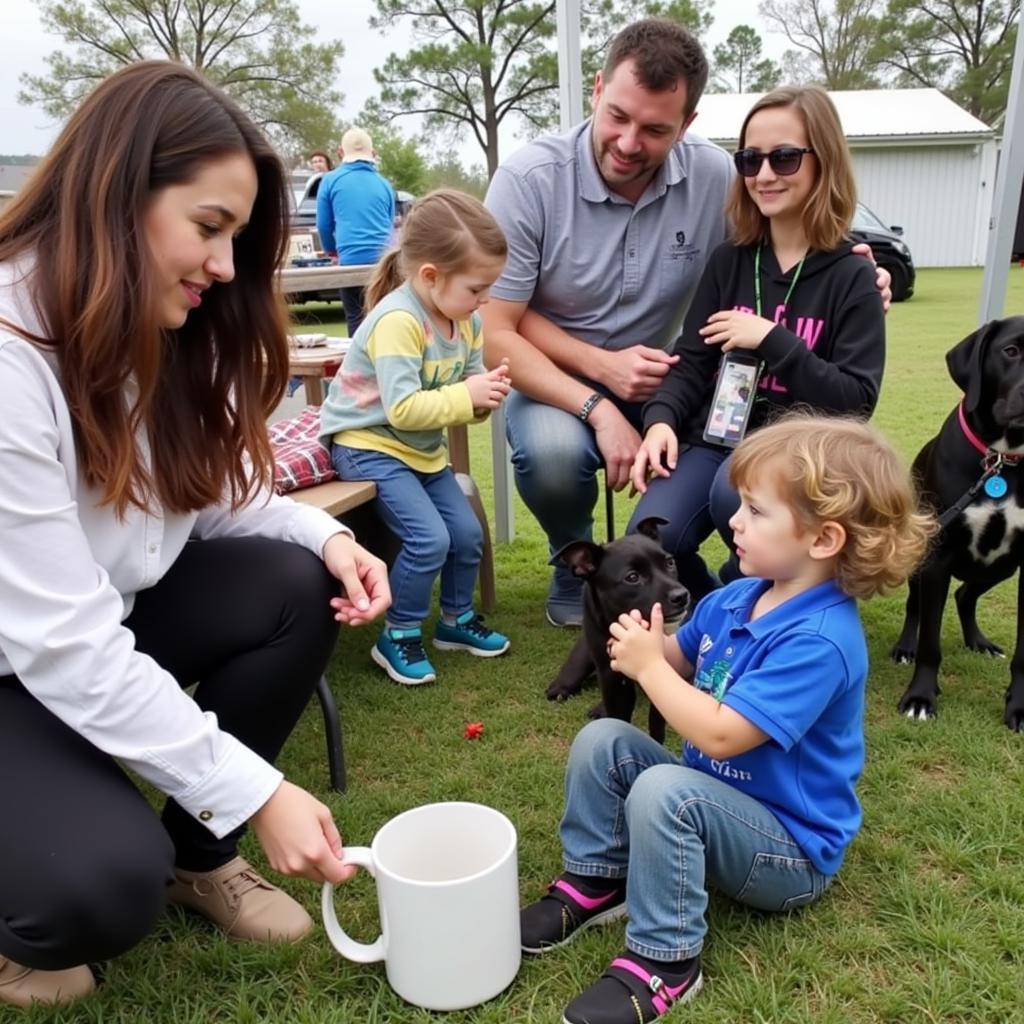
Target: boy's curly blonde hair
838,469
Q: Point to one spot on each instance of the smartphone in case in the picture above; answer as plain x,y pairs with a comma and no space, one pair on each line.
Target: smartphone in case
734,398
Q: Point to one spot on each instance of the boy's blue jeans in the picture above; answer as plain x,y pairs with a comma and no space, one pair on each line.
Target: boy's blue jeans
438,531
632,809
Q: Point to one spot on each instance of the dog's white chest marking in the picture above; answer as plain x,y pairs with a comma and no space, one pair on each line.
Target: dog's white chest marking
978,518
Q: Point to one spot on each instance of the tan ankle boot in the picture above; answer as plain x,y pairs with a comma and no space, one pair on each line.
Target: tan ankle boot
22,986
241,902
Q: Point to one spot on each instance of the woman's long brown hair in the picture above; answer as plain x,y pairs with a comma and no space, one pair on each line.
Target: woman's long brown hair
200,394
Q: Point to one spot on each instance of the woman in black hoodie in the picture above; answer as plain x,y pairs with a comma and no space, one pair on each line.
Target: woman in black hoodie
787,296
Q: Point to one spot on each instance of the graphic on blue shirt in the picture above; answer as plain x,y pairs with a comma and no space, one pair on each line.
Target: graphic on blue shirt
714,680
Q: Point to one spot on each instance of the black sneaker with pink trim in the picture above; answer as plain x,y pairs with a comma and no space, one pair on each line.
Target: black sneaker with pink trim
634,990
571,903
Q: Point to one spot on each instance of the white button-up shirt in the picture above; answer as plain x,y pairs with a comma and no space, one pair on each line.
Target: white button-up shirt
69,572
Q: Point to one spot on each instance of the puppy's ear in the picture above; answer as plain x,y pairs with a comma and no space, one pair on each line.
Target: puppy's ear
649,527
583,557
966,362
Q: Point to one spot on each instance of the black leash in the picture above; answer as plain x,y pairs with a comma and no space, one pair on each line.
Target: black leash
993,463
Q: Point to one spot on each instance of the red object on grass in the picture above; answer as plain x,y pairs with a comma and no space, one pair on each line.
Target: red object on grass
474,730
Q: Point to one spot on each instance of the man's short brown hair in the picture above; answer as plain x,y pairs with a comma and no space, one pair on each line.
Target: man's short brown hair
663,52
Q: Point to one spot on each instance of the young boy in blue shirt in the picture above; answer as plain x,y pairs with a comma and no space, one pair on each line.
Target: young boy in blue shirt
763,803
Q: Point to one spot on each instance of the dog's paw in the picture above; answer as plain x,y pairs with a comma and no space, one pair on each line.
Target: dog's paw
1013,717
560,692
597,711
981,644
903,654
920,709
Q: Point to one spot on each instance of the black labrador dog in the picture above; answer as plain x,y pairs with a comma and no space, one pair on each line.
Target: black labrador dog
631,572
970,474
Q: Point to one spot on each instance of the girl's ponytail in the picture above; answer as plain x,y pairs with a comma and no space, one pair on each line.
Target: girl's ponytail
387,276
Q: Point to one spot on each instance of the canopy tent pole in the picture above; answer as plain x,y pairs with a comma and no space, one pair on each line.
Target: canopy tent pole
1006,197
570,102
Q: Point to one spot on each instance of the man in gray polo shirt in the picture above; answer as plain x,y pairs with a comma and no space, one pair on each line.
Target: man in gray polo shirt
609,227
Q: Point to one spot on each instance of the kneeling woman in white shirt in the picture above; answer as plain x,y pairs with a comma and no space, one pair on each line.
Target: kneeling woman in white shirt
141,551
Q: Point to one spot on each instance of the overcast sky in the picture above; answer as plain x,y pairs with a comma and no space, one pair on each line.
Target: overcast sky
24,43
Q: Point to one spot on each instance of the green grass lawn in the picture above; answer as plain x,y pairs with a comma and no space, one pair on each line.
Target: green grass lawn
925,922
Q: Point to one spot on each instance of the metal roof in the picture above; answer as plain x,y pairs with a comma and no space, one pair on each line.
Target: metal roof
866,115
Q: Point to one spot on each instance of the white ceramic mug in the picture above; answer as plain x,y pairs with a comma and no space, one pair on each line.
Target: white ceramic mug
448,891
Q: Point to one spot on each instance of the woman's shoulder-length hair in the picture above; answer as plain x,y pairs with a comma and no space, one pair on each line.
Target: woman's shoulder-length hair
830,206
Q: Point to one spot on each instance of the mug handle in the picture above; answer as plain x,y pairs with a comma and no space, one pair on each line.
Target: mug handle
360,952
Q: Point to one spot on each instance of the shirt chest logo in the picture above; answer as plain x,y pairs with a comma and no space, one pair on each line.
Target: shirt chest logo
681,251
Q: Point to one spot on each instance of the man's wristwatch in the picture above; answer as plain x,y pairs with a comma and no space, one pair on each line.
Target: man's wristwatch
588,405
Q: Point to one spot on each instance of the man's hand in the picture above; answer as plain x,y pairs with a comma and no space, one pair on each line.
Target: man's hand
732,328
299,836
883,279
634,373
657,454
617,442
364,580
488,390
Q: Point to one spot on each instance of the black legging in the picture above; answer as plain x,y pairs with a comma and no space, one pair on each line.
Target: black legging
84,860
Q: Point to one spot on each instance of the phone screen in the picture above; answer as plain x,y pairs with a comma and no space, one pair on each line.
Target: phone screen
734,397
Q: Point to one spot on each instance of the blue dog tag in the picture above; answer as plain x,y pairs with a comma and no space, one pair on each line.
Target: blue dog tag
995,487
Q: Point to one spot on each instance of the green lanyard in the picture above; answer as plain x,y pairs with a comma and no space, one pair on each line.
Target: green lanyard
757,279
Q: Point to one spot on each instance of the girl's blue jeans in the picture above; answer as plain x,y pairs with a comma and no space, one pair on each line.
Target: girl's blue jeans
632,809
432,519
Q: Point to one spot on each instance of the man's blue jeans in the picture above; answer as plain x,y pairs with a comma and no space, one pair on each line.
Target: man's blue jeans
556,461
633,810
353,298
438,531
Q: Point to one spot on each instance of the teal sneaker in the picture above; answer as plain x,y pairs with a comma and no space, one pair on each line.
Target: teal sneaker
400,653
470,634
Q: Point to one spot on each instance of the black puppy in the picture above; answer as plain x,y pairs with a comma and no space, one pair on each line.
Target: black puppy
631,572
970,475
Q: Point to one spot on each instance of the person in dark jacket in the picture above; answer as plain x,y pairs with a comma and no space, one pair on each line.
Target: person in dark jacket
784,291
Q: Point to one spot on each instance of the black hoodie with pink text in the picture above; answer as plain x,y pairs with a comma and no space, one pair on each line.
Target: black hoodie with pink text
826,351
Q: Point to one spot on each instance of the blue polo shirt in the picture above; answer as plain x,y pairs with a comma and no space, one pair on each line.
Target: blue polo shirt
798,673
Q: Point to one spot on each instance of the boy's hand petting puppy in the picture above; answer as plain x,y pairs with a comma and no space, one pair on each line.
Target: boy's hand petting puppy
488,390
636,645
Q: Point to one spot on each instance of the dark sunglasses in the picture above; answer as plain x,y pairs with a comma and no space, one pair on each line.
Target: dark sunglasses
783,160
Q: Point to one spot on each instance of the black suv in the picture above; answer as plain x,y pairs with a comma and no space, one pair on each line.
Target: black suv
890,250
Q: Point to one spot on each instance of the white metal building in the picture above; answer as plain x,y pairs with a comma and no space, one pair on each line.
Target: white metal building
922,162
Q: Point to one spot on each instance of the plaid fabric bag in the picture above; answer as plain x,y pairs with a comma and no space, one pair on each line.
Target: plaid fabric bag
300,460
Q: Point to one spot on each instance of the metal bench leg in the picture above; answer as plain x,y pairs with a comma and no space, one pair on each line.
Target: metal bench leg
332,730
488,591
609,512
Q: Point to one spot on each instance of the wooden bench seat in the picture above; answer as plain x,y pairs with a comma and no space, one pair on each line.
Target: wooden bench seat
337,496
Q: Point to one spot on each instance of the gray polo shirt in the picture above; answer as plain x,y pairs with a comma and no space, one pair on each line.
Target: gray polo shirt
610,272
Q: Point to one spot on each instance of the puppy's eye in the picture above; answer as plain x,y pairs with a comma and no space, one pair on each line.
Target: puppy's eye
670,563
1011,351
632,576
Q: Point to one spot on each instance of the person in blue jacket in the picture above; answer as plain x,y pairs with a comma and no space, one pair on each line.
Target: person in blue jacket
355,214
